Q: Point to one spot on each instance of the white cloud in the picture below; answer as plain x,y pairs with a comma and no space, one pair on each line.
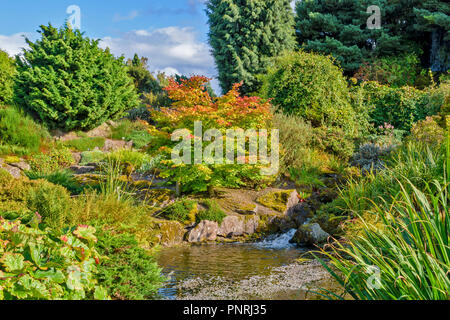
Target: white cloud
13,44
171,48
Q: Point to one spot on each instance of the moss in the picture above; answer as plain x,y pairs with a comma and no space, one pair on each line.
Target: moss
275,200
170,233
11,159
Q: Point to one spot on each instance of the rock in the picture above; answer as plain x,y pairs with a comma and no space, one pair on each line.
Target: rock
22,165
113,145
171,233
300,213
13,171
63,136
247,209
83,169
310,234
251,224
103,131
76,157
286,225
279,200
204,231
231,226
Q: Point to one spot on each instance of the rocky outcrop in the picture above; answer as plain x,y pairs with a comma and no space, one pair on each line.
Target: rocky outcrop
14,168
113,145
231,226
204,231
83,169
171,233
300,213
279,200
310,234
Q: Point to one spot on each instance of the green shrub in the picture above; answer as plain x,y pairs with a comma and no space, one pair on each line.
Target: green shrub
20,131
212,212
311,86
130,272
400,107
132,131
57,157
62,178
52,202
41,265
7,73
428,131
85,144
184,211
68,82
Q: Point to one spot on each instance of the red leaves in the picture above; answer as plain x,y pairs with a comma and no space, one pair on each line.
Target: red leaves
193,103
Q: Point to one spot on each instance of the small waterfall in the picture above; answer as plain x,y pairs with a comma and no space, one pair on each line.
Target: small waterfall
278,242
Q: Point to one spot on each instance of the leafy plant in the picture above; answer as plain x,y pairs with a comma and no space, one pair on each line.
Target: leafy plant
56,158
7,73
39,265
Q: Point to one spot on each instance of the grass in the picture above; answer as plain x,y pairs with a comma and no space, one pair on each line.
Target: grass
63,178
19,134
212,212
411,247
85,143
132,131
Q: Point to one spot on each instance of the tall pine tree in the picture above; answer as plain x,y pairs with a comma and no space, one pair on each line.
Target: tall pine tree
244,34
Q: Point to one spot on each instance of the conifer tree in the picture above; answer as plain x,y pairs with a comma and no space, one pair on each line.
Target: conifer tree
68,82
7,72
244,34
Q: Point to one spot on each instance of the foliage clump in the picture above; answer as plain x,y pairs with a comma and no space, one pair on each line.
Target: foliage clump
7,73
38,264
68,82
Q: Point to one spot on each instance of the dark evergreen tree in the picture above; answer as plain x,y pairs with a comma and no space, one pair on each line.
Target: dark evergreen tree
244,34
339,27
144,81
68,82
433,17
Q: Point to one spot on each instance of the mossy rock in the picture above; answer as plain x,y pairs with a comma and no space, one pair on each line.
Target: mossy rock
247,208
278,200
170,233
159,197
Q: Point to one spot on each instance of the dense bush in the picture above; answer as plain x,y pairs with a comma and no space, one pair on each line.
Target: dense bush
51,201
68,82
41,265
397,71
130,272
401,107
20,131
311,86
7,72
58,157
183,210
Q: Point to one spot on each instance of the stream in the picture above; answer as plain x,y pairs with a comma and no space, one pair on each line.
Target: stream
242,271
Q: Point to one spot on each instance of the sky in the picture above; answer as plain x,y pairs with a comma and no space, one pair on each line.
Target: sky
172,34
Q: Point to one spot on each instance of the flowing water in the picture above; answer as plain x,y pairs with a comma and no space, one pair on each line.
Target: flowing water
263,270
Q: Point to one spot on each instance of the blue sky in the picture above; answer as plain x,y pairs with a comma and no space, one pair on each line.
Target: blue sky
171,33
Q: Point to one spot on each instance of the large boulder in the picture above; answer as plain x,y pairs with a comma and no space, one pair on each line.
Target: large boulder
251,224
13,171
310,234
231,226
204,231
113,145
